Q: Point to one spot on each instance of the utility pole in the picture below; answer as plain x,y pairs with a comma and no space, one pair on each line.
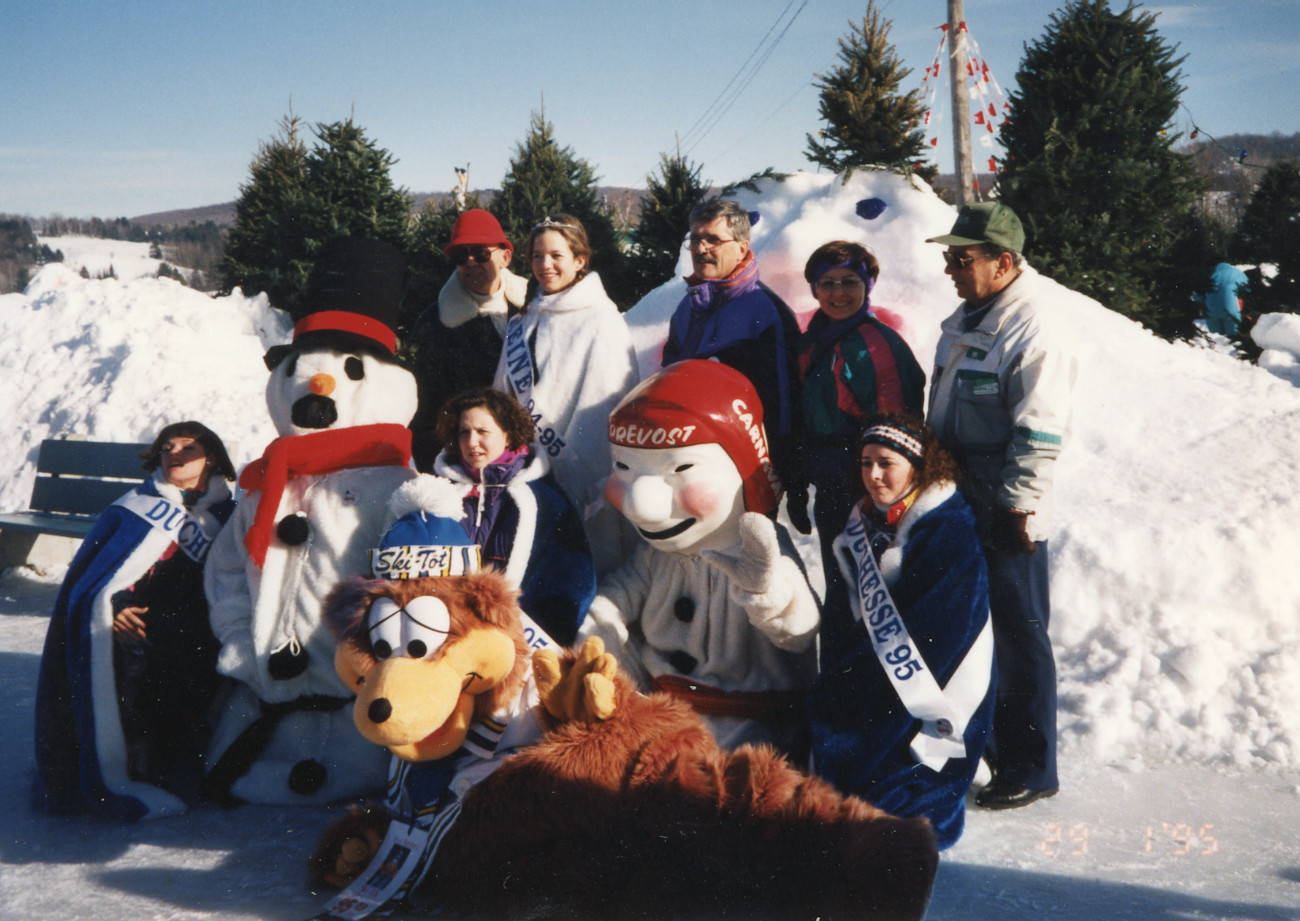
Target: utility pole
960,103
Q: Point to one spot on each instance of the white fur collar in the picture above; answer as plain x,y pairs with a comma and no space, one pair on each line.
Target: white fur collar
457,305
589,292
218,491
517,489
892,559
538,466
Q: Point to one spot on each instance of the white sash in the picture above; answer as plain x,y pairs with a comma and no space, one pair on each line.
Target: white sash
176,521
519,372
408,849
943,712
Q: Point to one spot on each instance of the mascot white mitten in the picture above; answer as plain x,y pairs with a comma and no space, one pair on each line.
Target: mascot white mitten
316,502
714,607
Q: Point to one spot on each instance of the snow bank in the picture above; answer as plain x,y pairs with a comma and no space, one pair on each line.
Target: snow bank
1278,334
1174,594
114,360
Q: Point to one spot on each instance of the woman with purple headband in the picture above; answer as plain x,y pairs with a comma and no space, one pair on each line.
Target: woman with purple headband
903,701
852,365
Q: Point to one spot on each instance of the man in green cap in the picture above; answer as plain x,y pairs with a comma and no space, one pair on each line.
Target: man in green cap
1000,399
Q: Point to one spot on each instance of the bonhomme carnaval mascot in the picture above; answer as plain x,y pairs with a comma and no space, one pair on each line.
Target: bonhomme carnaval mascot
316,504
714,607
552,788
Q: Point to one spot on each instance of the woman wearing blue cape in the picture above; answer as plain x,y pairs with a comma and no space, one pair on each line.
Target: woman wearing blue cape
903,703
129,668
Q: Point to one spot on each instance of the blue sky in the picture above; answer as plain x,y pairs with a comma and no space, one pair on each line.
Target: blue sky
118,108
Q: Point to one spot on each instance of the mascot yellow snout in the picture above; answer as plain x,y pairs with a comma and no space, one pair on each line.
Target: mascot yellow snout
425,656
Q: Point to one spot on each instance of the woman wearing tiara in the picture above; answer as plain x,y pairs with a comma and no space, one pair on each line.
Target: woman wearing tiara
568,359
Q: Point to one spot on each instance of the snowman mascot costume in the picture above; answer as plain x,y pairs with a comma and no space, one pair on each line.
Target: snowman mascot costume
316,502
714,606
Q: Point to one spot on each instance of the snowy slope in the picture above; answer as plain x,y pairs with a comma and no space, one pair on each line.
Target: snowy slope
98,256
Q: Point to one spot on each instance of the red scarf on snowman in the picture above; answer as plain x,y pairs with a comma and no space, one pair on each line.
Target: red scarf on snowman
327,451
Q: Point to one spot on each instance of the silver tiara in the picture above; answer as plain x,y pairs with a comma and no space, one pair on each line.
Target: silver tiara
547,223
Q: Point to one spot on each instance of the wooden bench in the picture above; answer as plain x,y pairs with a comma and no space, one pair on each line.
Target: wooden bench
75,481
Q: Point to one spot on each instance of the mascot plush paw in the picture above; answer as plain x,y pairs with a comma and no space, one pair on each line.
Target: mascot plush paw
553,788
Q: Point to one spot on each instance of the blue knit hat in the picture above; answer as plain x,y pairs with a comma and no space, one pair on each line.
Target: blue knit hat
427,539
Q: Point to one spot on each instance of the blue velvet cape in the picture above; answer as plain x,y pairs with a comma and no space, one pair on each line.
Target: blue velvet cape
80,747
861,730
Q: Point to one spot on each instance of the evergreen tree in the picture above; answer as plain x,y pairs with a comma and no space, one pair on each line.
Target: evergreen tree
545,178
349,190
665,219
297,200
1270,234
1090,166
867,121
265,249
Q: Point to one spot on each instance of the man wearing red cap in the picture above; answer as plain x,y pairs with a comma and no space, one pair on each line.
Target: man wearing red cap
458,340
713,607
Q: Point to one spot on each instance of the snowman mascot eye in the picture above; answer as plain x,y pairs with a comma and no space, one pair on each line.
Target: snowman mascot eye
415,630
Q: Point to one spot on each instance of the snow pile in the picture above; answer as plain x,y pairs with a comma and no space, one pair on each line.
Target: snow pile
1278,334
1174,594
115,360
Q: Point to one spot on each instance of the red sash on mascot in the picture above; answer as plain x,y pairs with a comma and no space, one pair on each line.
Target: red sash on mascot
327,451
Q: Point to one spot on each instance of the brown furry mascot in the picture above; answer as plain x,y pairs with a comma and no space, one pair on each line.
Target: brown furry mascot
638,814
596,802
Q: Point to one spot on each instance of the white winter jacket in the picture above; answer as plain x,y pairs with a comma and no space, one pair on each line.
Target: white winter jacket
1001,394
583,363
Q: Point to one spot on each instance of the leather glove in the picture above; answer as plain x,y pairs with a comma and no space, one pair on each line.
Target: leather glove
1011,532
796,506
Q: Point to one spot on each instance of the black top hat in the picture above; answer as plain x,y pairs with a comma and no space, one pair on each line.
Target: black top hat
353,294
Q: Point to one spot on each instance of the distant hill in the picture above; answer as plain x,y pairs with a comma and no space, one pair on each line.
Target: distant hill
626,203
222,215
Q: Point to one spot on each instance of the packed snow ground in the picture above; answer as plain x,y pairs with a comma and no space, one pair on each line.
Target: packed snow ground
1175,597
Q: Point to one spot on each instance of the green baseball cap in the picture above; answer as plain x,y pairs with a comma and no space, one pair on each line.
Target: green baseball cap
985,222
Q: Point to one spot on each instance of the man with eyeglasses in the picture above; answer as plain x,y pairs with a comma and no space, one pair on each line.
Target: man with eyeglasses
730,316
1000,398
458,340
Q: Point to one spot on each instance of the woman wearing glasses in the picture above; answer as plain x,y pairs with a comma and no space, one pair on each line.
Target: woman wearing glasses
903,701
458,340
852,366
568,359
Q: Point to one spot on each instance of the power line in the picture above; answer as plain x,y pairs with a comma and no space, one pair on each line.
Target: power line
770,115
712,115
1239,159
736,75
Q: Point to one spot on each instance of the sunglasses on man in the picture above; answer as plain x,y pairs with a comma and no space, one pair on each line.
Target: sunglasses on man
961,263
479,254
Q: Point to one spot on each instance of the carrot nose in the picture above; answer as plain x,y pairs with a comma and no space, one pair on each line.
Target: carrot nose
321,384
